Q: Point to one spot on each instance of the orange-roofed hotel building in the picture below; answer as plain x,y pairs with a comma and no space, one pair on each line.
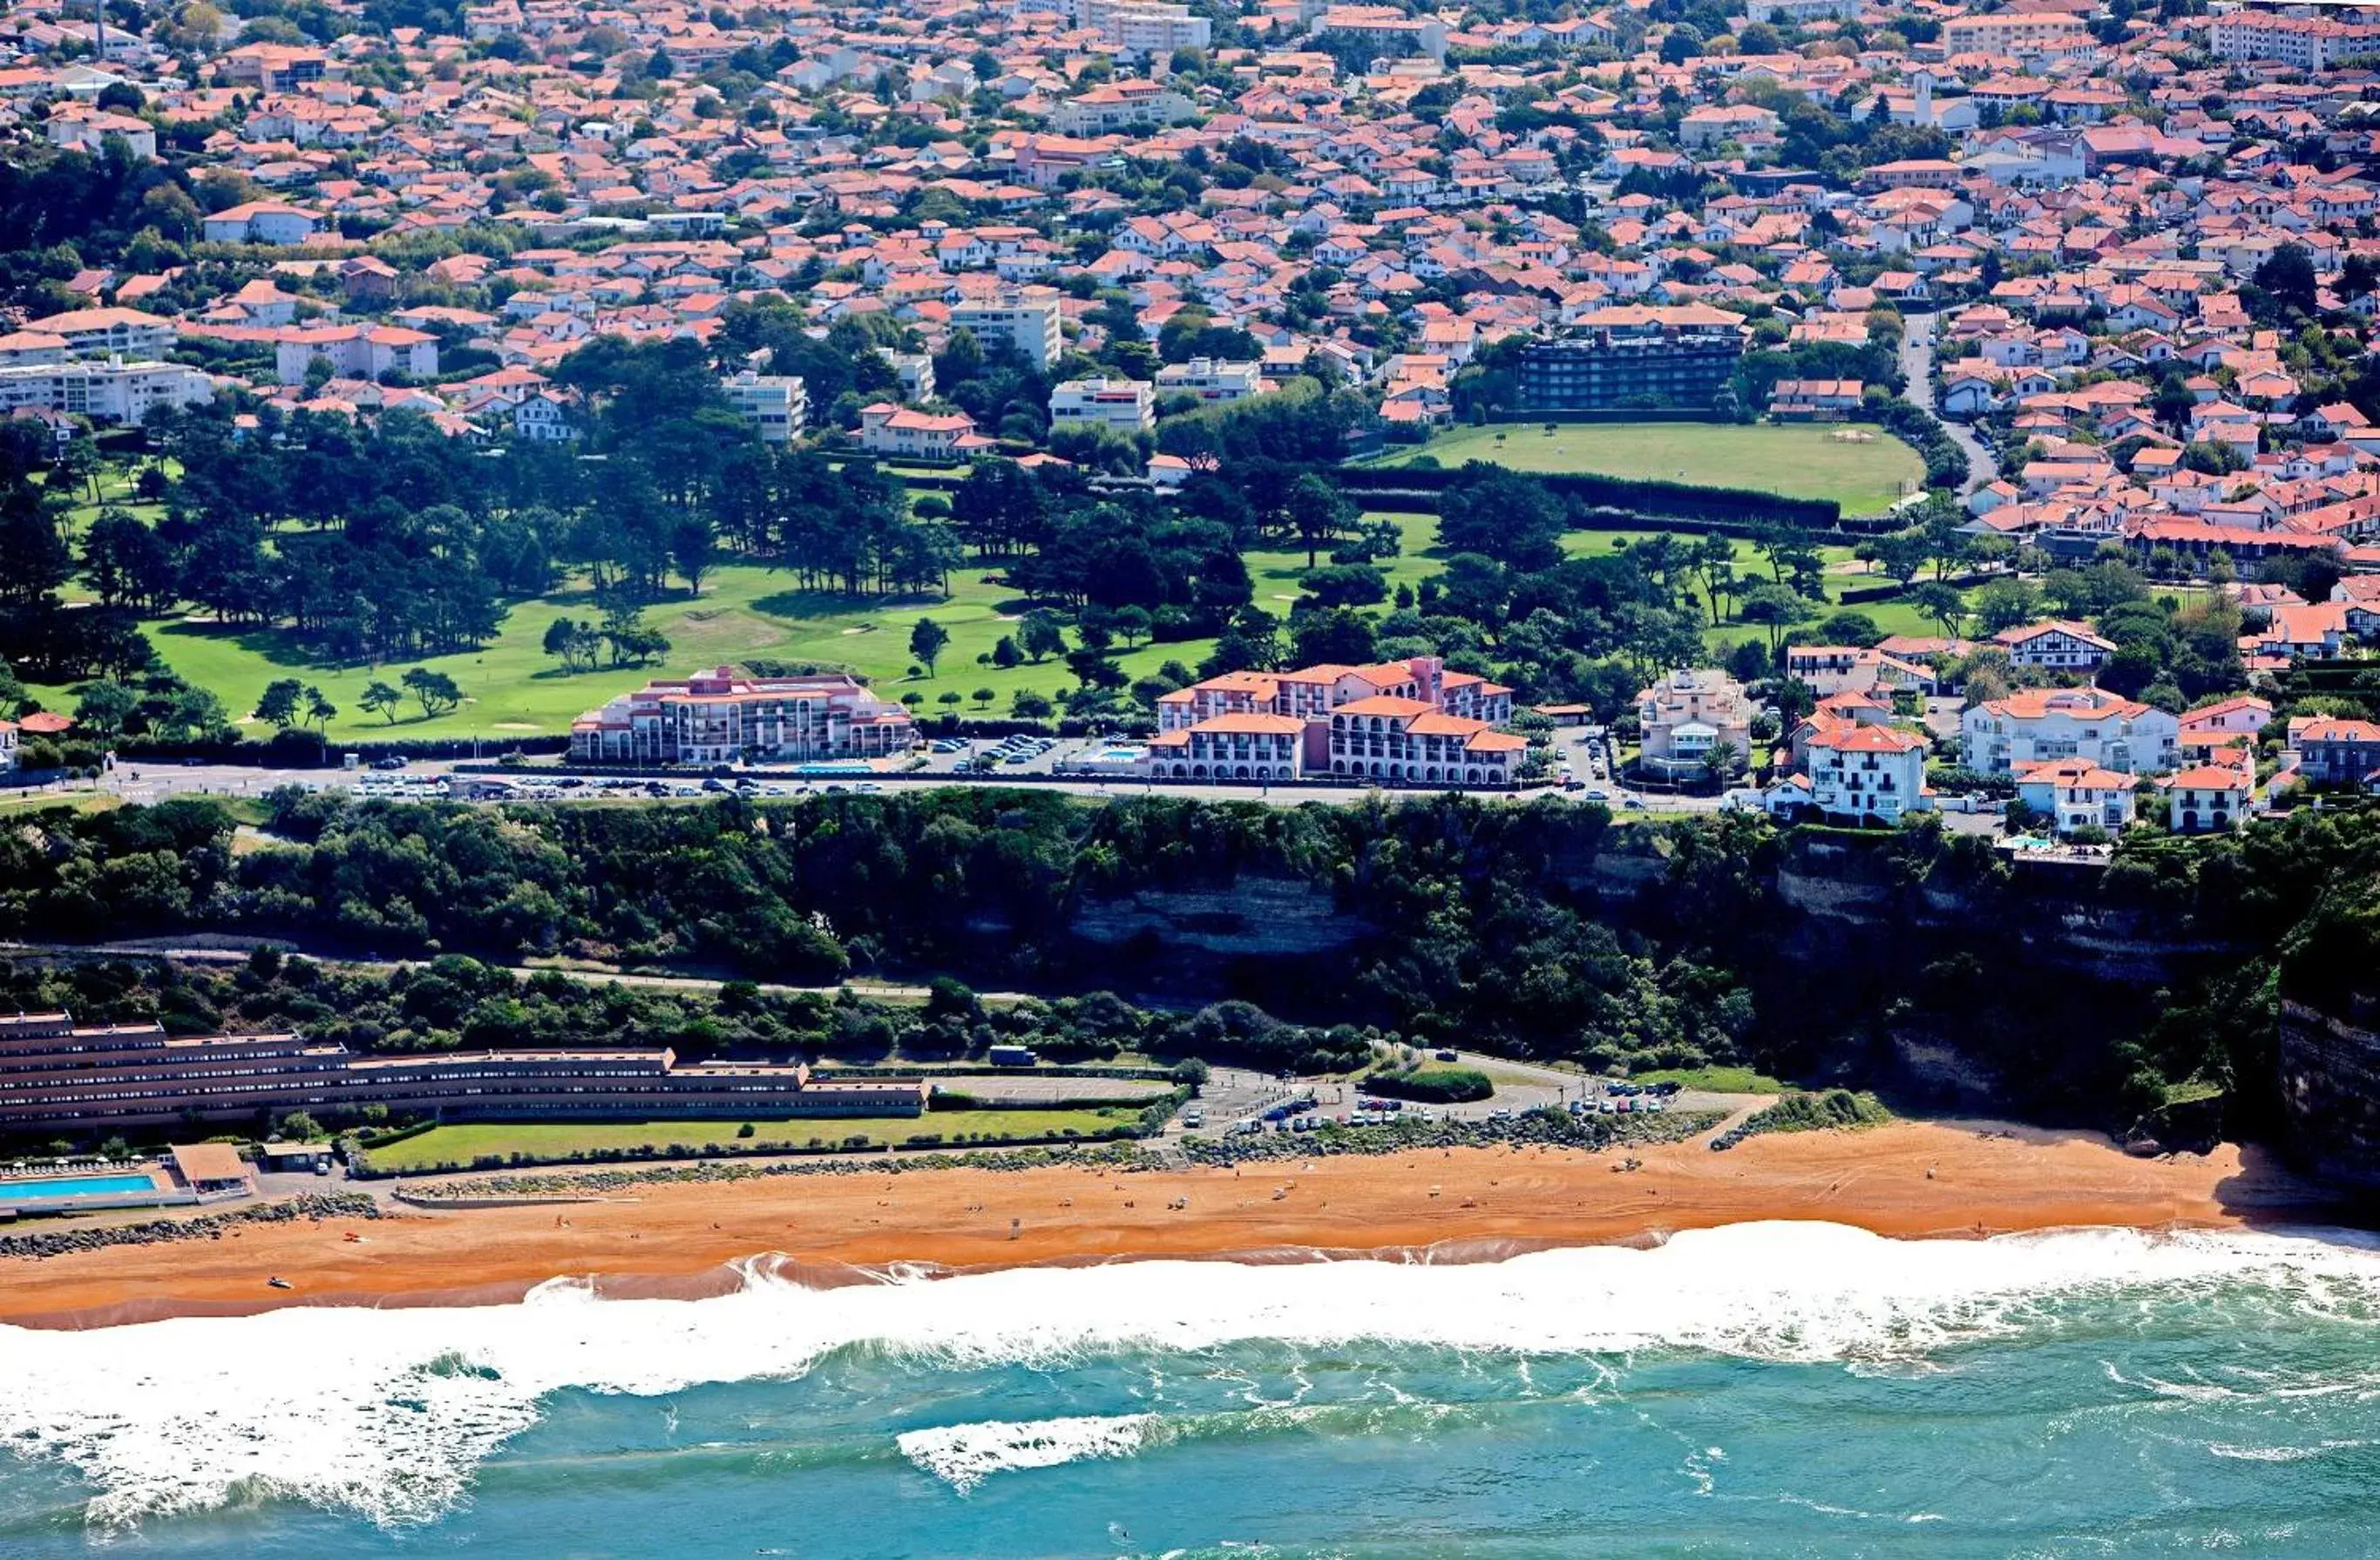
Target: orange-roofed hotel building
1411,721
719,716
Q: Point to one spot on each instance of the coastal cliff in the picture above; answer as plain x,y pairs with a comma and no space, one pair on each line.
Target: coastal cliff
1256,915
2330,1094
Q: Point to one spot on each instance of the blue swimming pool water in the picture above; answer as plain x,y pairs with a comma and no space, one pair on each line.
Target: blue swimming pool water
72,1186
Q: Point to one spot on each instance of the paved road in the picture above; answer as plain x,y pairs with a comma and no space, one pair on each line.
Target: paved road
1918,363
153,782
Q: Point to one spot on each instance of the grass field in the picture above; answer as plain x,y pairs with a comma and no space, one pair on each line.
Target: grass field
512,687
1795,460
557,1139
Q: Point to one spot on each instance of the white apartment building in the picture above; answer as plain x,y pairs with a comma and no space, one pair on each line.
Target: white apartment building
1801,10
1027,318
1126,405
2020,33
104,333
1868,771
916,371
718,717
1310,693
87,129
1121,105
1145,27
777,404
260,222
113,391
1384,29
1230,748
1211,379
2307,43
2039,725
1409,721
1408,740
359,351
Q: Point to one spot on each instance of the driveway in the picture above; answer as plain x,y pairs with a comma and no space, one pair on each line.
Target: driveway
1918,363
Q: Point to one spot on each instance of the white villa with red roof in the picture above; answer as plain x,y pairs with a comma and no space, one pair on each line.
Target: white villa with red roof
1868,771
2077,794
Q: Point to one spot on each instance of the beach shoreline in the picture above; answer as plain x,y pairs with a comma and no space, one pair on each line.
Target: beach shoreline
691,1239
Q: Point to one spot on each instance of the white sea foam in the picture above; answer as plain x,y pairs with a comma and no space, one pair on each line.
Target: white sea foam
389,1411
963,1455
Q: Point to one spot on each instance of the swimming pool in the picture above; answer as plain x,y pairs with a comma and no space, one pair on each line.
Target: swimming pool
73,1186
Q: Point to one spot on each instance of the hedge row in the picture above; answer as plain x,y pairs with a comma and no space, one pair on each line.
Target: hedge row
1684,500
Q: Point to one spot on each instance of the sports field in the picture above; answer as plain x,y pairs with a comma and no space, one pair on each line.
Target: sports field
1795,460
558,1140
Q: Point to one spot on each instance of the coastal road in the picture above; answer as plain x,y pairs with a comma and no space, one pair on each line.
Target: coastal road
1918,363
148,782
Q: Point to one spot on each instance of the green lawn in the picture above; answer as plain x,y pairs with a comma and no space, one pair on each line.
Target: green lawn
1713,1080
512,687
1797,460
557,1139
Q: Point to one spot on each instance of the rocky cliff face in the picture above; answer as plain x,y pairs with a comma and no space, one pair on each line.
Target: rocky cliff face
1254,916
2051,913
2330,1089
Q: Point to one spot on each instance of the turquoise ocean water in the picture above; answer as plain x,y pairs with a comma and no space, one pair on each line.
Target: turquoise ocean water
1768,1390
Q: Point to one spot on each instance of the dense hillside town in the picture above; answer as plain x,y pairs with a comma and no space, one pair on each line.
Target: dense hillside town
355,336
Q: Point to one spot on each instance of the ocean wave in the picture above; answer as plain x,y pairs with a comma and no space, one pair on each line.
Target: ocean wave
389,1412
963,1455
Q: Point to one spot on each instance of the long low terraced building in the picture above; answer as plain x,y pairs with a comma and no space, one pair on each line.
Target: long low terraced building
54,1073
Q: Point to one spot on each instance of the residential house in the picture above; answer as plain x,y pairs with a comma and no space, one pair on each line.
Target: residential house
2002,736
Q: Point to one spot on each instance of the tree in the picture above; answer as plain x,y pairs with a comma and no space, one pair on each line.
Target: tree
1318,513
927,641
1004,654
634,642
381,700
1336,636
281,702
693,547
1095,671
574,643
105,708
320,712
983,698
1132,625
2287,276
2005,604
1513,519
1039,637
1028,705
1775,608
435,692
1941,603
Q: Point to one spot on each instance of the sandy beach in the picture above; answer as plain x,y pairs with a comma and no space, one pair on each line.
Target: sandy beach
1907,1180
